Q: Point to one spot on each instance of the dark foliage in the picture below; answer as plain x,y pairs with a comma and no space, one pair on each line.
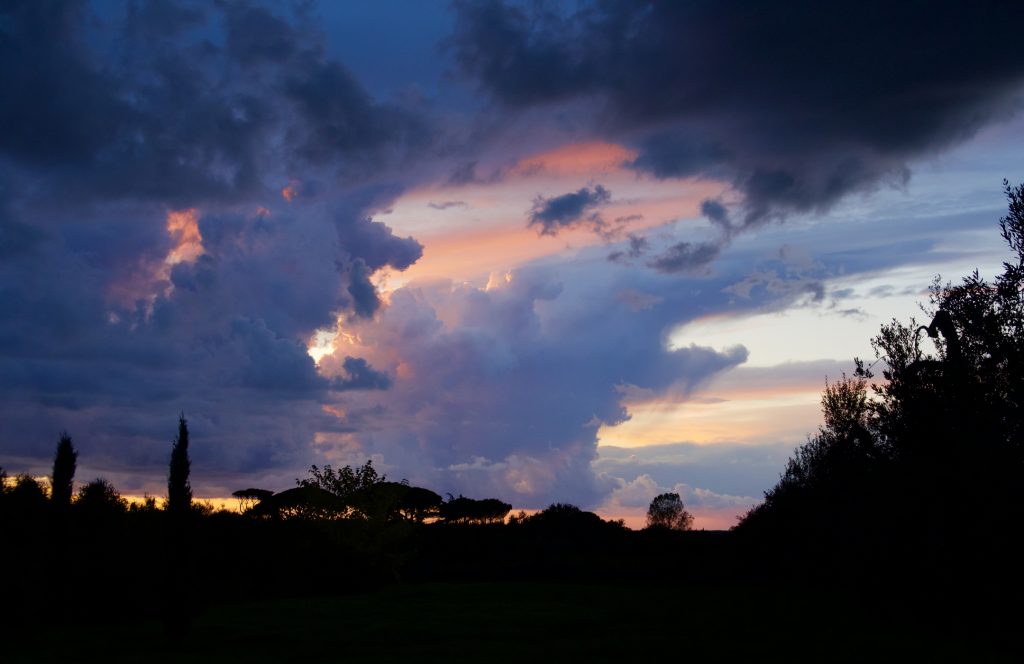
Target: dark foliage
27,497
419,504
251,497
351,490
667,511
100,500
179,491
468,510
61,488
916,477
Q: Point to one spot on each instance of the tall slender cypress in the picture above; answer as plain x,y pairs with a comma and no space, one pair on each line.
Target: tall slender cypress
179,492
64,463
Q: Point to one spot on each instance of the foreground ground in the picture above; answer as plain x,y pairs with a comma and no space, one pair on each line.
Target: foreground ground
533,623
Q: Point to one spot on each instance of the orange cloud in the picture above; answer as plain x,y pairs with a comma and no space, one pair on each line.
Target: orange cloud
183,227
148,278
590,159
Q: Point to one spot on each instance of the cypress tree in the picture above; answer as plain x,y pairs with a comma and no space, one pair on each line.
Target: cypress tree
179,492
64,463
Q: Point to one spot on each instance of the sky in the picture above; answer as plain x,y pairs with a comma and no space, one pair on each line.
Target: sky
580,252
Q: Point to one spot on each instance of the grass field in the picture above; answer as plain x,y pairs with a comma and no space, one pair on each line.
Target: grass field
530,623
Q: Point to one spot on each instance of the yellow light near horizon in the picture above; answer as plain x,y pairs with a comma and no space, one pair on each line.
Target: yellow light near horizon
229,503
725,411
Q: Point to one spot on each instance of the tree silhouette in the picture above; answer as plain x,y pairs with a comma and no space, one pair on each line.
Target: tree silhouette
178,609
179,492
468,510
64,462
667,511
27,500
350,486
249,498
99,499
418,504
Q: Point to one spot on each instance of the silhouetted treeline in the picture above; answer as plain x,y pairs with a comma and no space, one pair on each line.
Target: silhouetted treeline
915,476
335,532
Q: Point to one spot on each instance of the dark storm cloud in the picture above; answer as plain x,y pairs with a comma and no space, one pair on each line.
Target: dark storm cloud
112,323
715,212
376,245
185,104
796,105
360,376
553,214
255,35
365,300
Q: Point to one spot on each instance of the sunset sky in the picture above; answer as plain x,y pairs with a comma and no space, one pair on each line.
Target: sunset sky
581,252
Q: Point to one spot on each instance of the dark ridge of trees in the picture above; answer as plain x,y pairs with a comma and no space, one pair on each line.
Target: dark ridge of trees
62,479
179,491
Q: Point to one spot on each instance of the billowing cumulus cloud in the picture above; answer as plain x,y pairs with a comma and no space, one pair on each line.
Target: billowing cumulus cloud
793,108
502,391
187,194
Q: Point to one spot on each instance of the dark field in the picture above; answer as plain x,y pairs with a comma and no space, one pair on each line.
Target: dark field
513,622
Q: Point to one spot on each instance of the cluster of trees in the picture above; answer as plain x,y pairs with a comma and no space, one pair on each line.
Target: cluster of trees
361,493
357,493
25,495
923,466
